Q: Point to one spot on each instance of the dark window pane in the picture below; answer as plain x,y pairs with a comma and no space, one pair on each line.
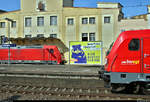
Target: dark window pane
92,37
106,19
53,20
84,37
40,21
70,21
28,22
92,20
2,24
134,45
13,24
84,20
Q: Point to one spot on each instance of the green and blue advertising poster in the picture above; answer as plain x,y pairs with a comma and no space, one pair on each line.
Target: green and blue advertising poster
85,52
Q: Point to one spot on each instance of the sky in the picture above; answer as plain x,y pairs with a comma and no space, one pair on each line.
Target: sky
131,7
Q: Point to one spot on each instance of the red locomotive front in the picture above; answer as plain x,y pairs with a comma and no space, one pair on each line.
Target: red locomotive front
127,62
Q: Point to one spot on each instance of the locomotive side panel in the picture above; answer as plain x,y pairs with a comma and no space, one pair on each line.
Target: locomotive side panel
146,55
14,54
31,55
3,54
128,59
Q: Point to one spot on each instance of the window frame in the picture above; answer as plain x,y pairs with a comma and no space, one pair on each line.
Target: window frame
70,21
107,19
85,37
53,20
91,36
28,22
2,24
28,36
40,35
92,20
41,6
3,39
85,20
13,24
40,21
53,35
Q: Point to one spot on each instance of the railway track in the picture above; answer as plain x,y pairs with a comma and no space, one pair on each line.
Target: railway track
33,92
44,88
64,75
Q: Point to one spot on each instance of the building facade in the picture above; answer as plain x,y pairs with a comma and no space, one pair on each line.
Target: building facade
148,16
59,19
138,22
132,24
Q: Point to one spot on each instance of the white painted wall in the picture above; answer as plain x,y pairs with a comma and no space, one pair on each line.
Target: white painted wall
70,34
107,31
47,29
148,16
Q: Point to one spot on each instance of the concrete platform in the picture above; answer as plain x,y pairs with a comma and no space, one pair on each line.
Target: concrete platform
50,70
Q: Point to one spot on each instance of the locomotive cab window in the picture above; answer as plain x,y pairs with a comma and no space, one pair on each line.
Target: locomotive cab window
51,51
134,45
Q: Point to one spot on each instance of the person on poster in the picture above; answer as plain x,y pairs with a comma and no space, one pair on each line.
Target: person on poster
78,54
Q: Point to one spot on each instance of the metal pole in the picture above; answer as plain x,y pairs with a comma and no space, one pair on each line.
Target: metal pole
9,43
9,20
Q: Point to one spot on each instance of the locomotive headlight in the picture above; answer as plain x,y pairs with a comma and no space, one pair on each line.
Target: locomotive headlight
106,61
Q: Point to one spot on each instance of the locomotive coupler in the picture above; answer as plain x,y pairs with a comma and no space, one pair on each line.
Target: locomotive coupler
105,76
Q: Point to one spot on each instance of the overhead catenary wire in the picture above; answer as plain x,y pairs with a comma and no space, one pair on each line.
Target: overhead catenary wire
139,3
137,6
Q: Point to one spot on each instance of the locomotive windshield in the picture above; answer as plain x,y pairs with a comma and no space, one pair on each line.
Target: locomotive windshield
108,51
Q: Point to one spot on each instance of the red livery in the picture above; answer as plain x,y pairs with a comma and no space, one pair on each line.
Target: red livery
31,54
127,64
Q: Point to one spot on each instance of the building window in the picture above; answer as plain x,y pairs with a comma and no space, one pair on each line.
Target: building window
13,24
88,37
70,21
107,19
122,30
53,20
84,36
41,6
84,20
40,21
3,39
28,36
92,37
92,20
53,35
40,35
28,22
2,24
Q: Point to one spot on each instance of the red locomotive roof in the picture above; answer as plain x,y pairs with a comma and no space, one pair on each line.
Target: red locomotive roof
50,46
135,34
131,34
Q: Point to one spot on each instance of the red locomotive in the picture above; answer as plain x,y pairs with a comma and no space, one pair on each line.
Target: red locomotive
127,64
32,54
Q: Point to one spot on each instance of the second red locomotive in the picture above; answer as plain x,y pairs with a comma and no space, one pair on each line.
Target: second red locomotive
49,54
